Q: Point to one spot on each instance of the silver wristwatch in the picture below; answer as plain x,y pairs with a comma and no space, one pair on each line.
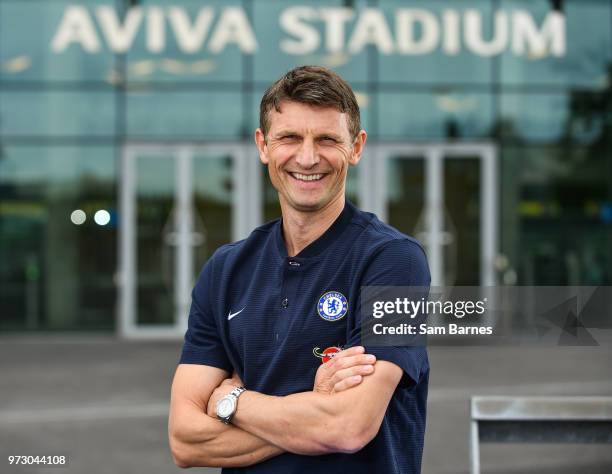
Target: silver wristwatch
226,407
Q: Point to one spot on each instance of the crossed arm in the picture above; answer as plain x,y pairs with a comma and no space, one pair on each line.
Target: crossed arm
315,423
197,439
318,422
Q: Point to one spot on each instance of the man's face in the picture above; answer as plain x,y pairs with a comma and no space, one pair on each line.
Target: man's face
308,151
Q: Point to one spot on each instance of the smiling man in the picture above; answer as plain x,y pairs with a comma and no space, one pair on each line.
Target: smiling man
272,377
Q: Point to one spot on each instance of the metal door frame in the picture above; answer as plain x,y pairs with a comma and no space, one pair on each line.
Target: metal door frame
373,179
245,216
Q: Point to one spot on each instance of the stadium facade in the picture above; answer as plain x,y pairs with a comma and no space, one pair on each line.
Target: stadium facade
126,151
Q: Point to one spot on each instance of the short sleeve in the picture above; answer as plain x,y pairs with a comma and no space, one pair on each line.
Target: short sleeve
203,344
399,262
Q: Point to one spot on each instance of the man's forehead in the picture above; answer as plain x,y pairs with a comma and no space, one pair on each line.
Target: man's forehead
297,115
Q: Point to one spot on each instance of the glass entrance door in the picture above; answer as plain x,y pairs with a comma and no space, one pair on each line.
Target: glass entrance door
178,205
445,195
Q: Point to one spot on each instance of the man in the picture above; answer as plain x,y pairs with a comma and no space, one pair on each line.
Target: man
268,310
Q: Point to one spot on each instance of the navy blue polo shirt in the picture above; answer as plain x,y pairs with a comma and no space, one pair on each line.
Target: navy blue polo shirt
256,310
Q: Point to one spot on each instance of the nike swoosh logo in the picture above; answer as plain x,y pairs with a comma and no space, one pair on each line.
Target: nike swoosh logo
231,315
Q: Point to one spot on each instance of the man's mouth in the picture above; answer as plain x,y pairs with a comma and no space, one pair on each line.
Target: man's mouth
307,177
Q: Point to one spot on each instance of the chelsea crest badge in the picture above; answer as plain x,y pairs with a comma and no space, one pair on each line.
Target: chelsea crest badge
332,306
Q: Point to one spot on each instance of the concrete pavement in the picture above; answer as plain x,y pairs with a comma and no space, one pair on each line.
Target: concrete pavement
103,402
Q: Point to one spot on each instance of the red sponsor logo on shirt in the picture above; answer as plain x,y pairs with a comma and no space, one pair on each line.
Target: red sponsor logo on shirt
327,353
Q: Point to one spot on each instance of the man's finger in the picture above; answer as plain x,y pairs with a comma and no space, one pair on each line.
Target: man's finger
361,359
347,383
351,372
351,351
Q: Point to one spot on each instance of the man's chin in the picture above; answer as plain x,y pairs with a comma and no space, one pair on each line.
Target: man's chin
308,205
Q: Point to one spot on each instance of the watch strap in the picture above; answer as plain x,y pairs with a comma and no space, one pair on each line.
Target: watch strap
237,391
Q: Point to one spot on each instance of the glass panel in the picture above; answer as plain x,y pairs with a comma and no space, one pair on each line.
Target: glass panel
436,54
58,237
57,113
272,207
303,40
184,52
579,116
558,215
405,195
185,115
434,115
31,45
155,240
585,61
461,231
213,195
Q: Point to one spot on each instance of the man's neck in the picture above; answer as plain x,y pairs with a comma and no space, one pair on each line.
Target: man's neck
300,229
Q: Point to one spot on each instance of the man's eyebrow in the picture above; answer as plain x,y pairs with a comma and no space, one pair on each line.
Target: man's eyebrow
329,135
284,133
289,132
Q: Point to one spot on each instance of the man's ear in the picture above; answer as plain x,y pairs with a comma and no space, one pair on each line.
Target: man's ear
358,146
260,141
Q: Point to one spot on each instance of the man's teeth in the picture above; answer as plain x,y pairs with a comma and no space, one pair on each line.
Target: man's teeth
307,177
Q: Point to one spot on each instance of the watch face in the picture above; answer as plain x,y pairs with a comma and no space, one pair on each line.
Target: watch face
225,407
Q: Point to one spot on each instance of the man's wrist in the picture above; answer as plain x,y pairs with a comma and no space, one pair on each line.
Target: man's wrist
227,405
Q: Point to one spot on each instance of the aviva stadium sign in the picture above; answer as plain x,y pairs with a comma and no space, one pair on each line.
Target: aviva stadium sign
307,29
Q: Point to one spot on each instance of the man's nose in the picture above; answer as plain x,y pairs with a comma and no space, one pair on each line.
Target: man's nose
307,156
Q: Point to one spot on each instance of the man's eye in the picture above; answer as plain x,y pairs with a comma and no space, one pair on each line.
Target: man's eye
289,138
328,141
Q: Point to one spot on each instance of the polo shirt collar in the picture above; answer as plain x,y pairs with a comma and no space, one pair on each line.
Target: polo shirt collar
324,241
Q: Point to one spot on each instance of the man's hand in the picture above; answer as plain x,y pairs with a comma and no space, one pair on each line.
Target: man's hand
344,370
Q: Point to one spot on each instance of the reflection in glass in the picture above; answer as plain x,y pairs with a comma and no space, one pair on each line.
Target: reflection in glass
185,114
155,252
562,222
587,47
55,274
213,193
434,115
159,231
577,115
46,113
405,204
27,30
462,202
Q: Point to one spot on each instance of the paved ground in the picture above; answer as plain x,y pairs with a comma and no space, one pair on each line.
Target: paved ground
104,402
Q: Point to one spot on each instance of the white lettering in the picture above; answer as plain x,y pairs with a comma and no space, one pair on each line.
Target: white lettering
452,42
119,38
473,33
371,28
156,30
190,38
233,27
377,309
334,19
526,38
404,25
76,27
291,21
414,31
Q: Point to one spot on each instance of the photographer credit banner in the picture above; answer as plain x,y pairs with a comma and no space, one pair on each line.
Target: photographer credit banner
493,315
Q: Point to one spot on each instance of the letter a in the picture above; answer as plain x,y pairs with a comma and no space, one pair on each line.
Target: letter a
76,27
